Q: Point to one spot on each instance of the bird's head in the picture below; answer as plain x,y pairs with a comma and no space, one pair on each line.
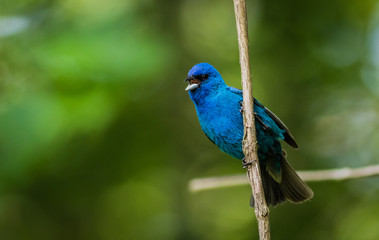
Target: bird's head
203,79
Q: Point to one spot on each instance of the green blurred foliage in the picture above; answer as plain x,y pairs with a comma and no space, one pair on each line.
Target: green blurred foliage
98,138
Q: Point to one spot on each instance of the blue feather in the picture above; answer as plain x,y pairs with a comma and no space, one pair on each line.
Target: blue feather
218,109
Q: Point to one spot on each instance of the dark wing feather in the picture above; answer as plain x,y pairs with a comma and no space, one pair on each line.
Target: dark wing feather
288,138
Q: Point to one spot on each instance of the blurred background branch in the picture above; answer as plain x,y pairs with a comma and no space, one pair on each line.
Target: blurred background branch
200,184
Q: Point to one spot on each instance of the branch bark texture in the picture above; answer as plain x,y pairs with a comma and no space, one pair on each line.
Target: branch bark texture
249,140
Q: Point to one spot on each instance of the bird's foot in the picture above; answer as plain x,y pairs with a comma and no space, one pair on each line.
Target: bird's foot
241,104
246,164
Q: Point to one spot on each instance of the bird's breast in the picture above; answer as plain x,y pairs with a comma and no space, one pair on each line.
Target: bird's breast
222,122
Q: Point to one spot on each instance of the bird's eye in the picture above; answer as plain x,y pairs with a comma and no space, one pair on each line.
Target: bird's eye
201,77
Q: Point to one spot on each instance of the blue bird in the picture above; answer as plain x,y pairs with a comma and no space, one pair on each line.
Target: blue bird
218,108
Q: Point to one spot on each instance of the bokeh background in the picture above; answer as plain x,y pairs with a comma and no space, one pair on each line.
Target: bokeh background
98,139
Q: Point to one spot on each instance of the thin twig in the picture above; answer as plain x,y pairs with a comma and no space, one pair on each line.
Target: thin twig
249,144
201,184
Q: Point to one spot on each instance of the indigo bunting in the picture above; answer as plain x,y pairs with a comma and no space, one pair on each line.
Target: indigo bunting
218,108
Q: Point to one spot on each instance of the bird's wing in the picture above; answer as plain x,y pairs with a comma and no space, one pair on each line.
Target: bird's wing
288,138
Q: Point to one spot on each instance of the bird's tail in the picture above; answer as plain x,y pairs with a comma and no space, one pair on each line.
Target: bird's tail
290,188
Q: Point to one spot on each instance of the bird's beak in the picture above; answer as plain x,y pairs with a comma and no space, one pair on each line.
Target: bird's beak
193,83
192,86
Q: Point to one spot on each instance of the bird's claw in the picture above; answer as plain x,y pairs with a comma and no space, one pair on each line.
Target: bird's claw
246,164
241,104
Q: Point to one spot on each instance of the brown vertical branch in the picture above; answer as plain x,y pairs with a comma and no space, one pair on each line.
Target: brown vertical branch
249,139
